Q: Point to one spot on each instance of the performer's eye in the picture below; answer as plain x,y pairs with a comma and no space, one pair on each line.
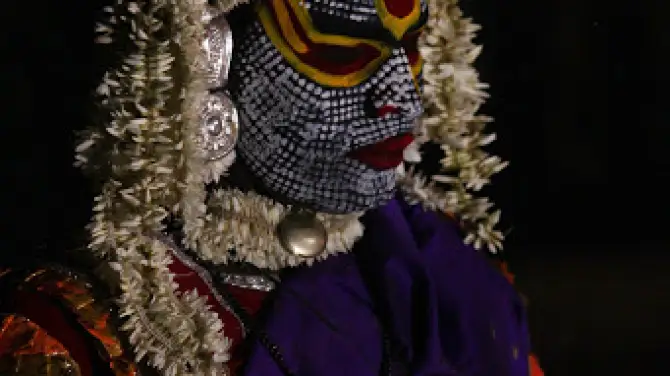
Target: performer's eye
336,59
340,54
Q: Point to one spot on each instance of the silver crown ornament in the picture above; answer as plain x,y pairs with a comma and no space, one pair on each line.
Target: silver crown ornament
218,47
219,126
219,123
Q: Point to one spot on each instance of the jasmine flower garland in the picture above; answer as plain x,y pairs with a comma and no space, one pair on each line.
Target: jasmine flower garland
144,155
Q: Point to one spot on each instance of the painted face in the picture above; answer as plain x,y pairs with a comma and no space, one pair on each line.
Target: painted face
328,92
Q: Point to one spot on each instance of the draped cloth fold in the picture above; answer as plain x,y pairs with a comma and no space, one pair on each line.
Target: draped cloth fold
445,308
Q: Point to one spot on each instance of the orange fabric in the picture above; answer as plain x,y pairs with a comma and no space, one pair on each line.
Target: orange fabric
533,363
19,336
54,300
93,317
534,366
504,268
48,315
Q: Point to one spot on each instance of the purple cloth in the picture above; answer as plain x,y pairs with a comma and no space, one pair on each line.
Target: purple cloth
448,311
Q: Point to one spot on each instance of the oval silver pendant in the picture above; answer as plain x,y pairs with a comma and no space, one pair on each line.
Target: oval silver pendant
218,48
302,234
219,126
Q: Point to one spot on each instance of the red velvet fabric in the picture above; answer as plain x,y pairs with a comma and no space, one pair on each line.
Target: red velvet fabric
250,300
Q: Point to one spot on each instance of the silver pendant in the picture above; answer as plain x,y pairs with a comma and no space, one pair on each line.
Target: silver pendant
302,234
219,126
218,48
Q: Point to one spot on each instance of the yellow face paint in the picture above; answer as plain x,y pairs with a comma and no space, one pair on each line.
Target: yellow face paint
336,60
398,16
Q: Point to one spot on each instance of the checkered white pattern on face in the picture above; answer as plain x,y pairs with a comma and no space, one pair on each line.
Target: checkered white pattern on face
351,17
295,133
355,10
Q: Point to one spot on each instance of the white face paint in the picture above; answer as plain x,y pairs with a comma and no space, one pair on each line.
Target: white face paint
296,133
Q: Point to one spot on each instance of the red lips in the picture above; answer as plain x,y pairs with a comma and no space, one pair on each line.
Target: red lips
383,155
386,154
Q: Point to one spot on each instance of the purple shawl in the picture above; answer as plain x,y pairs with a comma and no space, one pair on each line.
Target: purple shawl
447,309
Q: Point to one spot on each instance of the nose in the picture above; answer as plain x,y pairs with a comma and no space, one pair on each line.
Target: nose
393,87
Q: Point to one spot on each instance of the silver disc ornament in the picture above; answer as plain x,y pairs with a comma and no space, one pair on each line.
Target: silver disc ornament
302,234
218,48
219,126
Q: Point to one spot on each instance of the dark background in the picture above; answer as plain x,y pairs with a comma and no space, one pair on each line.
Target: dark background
579,96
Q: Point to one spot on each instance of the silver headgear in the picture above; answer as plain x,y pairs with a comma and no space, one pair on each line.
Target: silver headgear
218,116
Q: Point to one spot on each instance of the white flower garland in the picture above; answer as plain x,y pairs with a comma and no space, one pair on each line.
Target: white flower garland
247,222
145,155
452,96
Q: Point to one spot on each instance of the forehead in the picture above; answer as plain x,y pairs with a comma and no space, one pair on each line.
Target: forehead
362,18
355,10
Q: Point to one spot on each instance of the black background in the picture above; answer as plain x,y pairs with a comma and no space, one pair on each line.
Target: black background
578,93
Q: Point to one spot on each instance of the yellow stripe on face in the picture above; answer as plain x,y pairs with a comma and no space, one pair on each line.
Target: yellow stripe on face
396,25
287,28
290,46
417,67
317,37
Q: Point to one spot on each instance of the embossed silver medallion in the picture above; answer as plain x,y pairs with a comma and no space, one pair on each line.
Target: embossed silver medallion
219,126
218,48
